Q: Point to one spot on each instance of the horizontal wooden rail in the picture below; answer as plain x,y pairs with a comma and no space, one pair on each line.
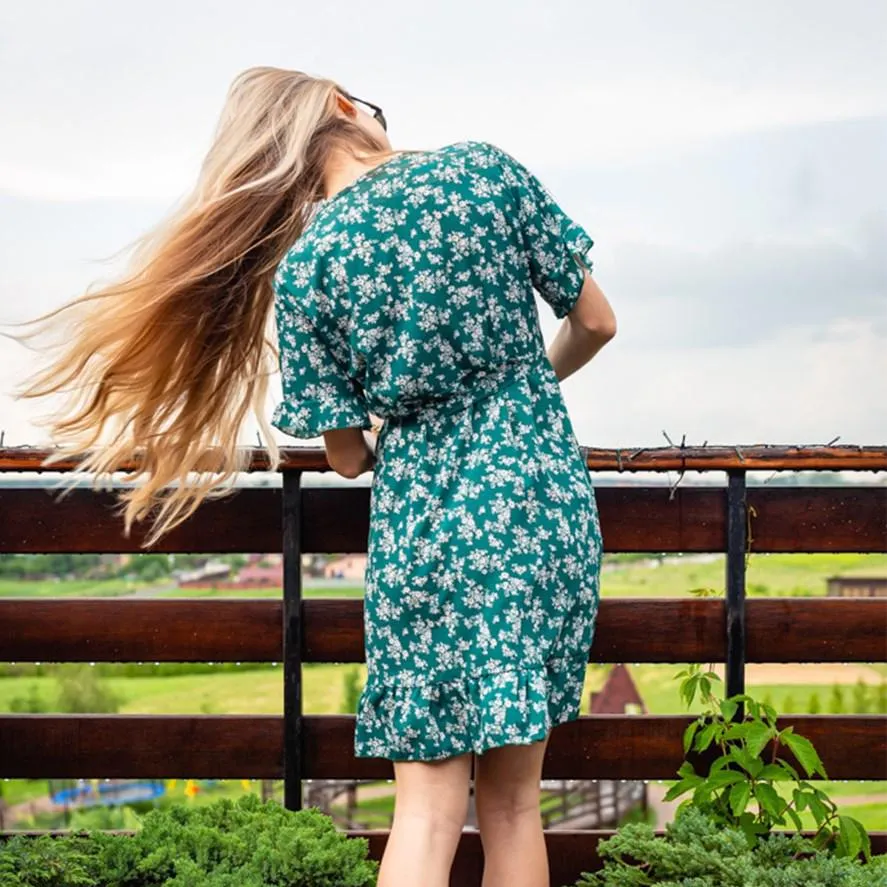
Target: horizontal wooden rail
251,746
336,520
671,458
242,630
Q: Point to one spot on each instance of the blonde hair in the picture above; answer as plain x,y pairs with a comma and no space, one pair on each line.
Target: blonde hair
172,356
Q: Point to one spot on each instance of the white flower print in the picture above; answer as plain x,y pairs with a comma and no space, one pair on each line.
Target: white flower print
410,295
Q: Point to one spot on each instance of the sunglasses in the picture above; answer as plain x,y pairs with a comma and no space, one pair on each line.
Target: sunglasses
377,111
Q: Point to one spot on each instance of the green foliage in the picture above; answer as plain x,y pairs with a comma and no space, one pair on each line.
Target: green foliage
81,690
31,566
351,690
836,700
246,843
29,703
134,669
104,816
740,774
860,697
698,850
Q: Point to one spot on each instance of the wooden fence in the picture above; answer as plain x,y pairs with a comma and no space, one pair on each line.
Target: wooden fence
734,518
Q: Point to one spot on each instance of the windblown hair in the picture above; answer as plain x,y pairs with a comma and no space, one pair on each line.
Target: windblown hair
171,358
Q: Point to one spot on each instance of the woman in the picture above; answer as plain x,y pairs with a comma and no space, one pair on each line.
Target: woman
402,285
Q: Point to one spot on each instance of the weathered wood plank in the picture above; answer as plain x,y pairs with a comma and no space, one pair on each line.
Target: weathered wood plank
336,520
243,630
248,746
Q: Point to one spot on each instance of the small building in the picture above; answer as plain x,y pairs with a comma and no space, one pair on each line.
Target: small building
870,584
619,695
260,575
205,577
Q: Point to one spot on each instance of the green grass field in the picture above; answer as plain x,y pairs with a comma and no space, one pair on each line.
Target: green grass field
67,588
777,575
773,574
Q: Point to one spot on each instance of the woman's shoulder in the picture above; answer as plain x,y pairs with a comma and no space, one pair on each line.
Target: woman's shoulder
477,149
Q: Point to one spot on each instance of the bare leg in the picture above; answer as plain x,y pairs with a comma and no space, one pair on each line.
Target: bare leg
508,815
431,802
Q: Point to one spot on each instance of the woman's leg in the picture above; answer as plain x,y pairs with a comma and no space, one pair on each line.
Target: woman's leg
506,788
431,803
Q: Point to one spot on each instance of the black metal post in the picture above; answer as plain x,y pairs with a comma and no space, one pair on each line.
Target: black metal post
292,640
737,543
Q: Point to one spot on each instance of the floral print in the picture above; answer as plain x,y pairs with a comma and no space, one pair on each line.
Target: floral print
410,295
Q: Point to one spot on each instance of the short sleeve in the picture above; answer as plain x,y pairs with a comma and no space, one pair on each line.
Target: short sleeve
552,240
318,395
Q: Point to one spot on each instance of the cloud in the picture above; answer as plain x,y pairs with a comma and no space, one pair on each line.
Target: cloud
727,160
745,292
797,387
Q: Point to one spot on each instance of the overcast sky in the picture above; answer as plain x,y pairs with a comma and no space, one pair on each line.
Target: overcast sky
727,158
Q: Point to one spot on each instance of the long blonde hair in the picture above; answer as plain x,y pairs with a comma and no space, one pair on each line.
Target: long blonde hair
172,356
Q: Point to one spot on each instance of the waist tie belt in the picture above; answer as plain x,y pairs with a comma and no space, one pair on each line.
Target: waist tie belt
478,386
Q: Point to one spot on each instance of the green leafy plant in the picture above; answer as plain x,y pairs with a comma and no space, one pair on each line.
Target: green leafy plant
741,774
243,843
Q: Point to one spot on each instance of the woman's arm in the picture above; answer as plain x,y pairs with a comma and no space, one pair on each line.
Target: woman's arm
590,324
351,451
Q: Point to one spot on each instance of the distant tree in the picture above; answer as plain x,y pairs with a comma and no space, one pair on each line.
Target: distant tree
836,700
860,697
351,690
80,690
30,703
814,706
789,705
881,698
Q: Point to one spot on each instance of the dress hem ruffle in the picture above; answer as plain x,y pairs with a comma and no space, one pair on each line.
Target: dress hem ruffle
428,718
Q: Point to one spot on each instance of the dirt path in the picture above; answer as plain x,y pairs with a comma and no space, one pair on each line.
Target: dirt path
800,673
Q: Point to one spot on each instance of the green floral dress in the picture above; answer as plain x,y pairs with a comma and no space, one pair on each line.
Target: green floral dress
410,295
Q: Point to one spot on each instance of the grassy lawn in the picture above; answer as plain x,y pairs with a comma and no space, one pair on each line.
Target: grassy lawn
307,591
67,588
773,574
779,575
17,790
872,816
251,691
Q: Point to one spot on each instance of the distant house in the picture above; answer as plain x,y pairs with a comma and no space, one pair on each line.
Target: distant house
349,566
207,576
872,583
261,576
619,695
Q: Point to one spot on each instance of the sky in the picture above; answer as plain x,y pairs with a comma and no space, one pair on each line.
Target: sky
727,159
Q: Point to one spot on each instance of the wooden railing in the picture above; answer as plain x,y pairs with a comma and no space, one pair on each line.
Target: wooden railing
735,518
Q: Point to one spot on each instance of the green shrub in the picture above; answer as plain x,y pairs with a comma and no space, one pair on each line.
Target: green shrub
715,839
243,843
699,851
351,690
836,700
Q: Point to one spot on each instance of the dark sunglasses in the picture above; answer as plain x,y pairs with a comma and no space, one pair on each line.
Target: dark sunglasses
377,111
